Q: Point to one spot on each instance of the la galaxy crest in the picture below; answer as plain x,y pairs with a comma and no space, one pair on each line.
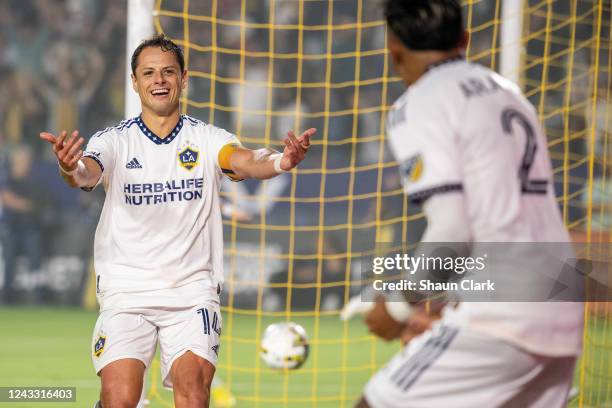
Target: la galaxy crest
98,348
188,156
412,168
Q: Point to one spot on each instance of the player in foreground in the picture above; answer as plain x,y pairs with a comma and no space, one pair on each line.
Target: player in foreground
158,245
473,153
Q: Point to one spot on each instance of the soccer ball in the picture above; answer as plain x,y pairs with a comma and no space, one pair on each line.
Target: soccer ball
284,346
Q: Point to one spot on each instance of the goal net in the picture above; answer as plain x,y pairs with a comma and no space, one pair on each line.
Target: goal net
293,244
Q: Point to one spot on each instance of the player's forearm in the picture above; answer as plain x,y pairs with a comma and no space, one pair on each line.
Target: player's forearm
446,215
259,164
446,237
83,175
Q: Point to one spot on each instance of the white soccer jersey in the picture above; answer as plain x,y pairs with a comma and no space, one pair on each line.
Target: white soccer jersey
463,128
159,238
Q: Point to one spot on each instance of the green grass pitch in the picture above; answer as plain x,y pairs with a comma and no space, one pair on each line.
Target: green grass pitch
51,347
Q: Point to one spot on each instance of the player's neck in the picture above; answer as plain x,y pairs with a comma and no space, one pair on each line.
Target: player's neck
430,59
162,126
421,61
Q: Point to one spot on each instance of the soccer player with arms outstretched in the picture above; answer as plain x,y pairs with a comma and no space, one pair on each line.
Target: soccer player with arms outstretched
472,152
158,246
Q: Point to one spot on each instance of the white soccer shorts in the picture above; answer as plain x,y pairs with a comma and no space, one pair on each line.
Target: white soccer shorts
133,333
457,367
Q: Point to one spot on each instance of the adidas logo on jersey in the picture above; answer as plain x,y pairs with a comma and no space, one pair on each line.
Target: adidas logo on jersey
133,164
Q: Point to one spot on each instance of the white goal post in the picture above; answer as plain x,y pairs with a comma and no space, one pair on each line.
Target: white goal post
139,27
510,41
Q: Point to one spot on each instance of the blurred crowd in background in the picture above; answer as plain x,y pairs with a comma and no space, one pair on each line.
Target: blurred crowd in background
62,65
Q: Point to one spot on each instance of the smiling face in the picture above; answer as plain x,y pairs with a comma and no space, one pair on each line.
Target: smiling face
159,81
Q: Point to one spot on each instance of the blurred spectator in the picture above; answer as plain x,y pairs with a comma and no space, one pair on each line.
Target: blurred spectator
50,72
23,203
313,102
302,283
4,172
71,85
370,126
109,101
334,273
315,284
286,103
43,59
251,97
26,28
22,113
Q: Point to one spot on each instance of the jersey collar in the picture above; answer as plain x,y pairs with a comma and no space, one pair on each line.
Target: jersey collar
156,139
444,62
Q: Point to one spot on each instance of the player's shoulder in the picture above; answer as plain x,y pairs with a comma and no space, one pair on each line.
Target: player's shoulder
441,81
434,87
197,126
435,99
206,130
192,122
451,85
117,130
461,80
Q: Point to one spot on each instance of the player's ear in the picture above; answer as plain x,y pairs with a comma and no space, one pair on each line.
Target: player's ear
184,79
396,49
134,85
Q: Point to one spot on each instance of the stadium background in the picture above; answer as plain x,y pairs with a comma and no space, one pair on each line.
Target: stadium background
293,244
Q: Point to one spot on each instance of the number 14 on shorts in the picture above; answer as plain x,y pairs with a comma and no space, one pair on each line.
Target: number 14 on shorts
208,323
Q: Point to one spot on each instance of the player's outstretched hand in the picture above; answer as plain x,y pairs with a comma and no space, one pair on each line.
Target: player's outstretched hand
380,322
419,321
295,148
67,150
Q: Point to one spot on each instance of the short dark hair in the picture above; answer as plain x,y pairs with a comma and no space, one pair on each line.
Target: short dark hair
163,42
425,24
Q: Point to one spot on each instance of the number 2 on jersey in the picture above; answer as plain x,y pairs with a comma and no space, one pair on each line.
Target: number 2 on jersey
527,186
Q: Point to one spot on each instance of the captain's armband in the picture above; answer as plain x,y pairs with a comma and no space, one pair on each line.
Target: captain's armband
224,160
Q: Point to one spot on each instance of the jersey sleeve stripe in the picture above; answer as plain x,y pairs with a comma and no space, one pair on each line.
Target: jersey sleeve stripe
192,121
100,133
124,124
224,160
94,158
421,196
